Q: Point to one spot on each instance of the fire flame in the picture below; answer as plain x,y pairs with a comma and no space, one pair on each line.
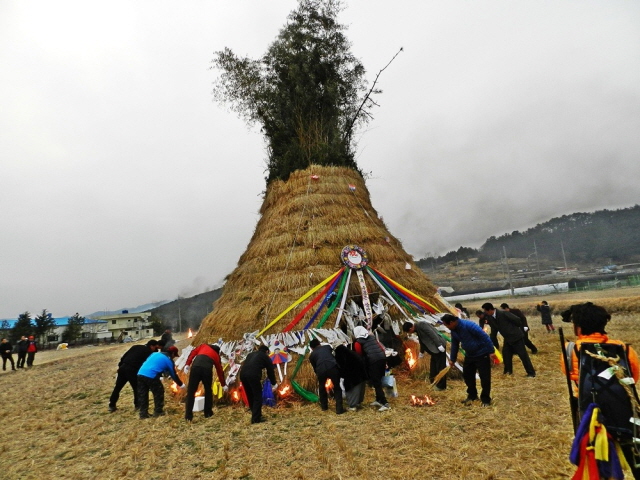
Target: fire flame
174,387
235,395
411,359
284,390
420,401
190,334
328,385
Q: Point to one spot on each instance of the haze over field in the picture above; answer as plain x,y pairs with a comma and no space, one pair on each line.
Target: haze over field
121,182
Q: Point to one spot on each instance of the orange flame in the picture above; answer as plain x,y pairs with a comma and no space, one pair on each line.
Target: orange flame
328,385
411,359
200,392
420,401
235,395
284,390
174,387
190,334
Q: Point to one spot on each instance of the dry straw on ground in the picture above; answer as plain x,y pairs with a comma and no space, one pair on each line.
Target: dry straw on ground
57,426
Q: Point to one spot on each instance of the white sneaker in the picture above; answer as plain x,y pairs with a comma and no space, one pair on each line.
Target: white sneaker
384,408
375,404
353,409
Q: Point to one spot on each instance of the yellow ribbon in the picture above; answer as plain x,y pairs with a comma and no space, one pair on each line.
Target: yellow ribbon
299,301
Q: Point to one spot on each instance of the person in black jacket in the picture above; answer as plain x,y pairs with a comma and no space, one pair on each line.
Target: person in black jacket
23,343
525,326
325,366
5,350
251,378
128,368
353,374
510,328
375,360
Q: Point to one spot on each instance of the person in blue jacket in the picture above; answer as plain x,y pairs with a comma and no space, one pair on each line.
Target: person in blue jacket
479,354
149,380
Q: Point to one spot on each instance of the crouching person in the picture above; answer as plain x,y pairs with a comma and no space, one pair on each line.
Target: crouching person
149,380
325,366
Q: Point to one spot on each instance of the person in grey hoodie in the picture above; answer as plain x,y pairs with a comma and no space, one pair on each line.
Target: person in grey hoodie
432,343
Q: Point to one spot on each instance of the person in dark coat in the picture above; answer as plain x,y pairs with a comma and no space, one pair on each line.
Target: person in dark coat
128,368
479,354
6,352
23,343
251,378
353,374
200,364
525,326
325,366
510,328
166,340
545,315
432,343
32,349
375,360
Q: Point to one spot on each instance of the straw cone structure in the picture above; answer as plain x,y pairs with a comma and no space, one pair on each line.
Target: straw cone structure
305,223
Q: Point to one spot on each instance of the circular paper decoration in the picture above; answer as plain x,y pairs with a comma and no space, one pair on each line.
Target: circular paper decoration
354,257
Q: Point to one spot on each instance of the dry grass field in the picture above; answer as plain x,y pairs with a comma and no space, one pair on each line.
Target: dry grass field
56,425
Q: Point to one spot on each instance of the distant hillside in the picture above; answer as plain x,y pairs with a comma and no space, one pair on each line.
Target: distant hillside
602,237
186,313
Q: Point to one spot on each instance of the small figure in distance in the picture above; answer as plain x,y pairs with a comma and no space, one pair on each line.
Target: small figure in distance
545,315
464,313
6,351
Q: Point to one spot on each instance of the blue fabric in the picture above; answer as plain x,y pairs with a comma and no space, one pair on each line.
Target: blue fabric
476,342
157,364
267,394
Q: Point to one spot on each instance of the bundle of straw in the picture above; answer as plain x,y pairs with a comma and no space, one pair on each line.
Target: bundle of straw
440,375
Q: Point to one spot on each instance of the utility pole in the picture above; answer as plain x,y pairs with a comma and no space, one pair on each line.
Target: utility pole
506,261
535,250
563,257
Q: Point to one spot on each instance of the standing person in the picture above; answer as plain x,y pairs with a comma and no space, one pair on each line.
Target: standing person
432,343
149,380
464,313
375,361
251,378
166,340
479,356
545,315
353,373
6,352
589,322
200,364
128,368
23,343
325,366
525,326
510,328
32,349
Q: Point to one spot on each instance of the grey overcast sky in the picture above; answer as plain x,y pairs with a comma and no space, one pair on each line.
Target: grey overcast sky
122,183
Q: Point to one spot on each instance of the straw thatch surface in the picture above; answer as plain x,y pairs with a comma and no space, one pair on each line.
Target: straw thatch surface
57,426
305,223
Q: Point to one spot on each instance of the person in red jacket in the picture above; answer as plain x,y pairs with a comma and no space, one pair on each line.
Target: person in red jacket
32,348
199,366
